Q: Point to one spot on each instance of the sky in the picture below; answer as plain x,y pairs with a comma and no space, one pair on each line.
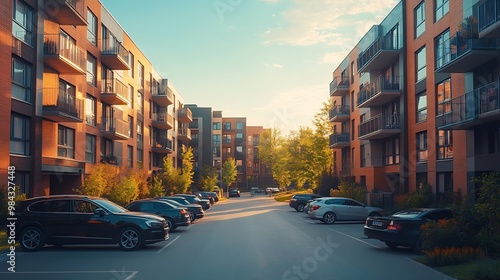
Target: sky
270,61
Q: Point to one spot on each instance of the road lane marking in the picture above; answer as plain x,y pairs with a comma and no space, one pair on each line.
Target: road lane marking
357,239
169,243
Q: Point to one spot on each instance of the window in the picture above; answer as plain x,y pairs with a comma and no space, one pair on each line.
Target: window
444,186
445,144
353,127
226,138
239,135
140,74
140,103
131,64
91,69
91,28
422,146
67,97
422,107
216,126
140,137
90,108
22,22
391,151
130,96
442,43
84,207
90,145
419,19
139,157
61,206
20,134
216,139
130,156
421,64
362,155
352,101
226,125
443,94
21,80
442,8
239,149
239,125
130,126
66,142
22,180
216,151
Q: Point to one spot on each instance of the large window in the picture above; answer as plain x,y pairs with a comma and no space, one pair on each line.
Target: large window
419,19
130,127
442,43
422,146
239,135
239,125
90,109
140,156
391,151
442,8
216,126
226,126
130,96
140,74
216,139
91,28
21,80
22,22
445,144
139,132
130,156
421,106
362,155
443,94
90,148
66,142
131,64
91,69
421,64
20,134
226,138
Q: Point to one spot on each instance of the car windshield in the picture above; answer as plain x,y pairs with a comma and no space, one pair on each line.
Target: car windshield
110,206
408,214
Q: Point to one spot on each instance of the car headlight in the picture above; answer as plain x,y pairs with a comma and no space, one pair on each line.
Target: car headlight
154,223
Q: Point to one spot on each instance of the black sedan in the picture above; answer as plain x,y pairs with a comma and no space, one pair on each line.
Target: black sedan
403,228
195,210
175,216
191,198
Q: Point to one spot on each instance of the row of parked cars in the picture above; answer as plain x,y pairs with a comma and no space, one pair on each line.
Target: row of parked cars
399,229
78,219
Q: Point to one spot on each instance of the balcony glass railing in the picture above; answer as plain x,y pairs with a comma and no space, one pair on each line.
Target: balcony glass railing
376,86
488,14
164,144
55,99
377,123
57,44
337,138
380,44
111,46
115,125
114,86
338,110
338,82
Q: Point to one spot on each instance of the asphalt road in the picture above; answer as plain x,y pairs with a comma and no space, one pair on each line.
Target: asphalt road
240,238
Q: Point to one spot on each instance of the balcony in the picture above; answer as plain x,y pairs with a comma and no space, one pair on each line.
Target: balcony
489,19
63,55
164,96
185,115
477,107
340,140
163,120
163,147
339,86
379,92
66,12
109,159
379,54
114,128
60,106
184,134
466,54
379,127
339,113
114,92
114,55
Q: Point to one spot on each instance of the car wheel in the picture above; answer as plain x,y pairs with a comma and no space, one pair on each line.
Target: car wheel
191,216
32,239
130,239
374,214
418,246
329,218
391,245
171,224
300,208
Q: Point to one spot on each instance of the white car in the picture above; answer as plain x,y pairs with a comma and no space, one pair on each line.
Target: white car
332,209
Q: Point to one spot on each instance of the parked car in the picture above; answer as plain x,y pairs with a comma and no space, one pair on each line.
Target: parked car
191,198
205,195
298,201
308,206
78,219
195,210
175,216
332,209
403,228
234,193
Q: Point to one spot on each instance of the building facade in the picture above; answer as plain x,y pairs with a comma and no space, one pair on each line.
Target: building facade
234,145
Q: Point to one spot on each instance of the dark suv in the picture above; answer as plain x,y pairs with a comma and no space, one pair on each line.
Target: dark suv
175,216
298,201
78,219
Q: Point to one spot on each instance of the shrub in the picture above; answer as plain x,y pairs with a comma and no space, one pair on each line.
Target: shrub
350,189
125,191
454,255
437,234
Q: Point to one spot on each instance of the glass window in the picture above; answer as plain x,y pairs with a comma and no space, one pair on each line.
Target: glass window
20,134
445,144
91,70
421,106
130,156
443,94
226,138
130,96
442,43
422,146
21,80
140,74
90,148
22,22
139,131
131,64
84,206
62,206
216,139
139,157
391,151
90,108
421,64
419,19
239,149
130,126
239,125
22,180
442,8
216,126
66,142
91,28
362,156
226,125
239,135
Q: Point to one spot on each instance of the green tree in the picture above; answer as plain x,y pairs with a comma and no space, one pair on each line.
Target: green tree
208,179
126,191
275,154
171,177
102,179
186,173
156,188
321,120
229,173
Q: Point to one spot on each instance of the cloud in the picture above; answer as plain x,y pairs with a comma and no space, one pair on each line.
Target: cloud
274,65
327,21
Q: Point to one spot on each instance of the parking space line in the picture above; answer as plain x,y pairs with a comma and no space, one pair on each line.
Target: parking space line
357,239
169,243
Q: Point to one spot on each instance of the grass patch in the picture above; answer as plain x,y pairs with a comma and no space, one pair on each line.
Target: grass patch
485,269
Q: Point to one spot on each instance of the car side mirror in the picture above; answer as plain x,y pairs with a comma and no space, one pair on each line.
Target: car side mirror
100,212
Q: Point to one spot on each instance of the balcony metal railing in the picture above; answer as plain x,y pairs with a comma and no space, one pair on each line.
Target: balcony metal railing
339,110
164,144
66,12
336,138
163,118
57,44
111,46
339,82
184,131
60,101
377,86
380,44
185,114
377,123
115,125
114,86
488,14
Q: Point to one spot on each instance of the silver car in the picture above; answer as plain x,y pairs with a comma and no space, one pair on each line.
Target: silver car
332,209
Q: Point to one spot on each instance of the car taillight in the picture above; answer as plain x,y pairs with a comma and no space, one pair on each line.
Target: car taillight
315,207
393,226
183,212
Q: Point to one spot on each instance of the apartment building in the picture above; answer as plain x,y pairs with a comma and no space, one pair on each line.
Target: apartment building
430,112
234,145
258,174
201,138
80,92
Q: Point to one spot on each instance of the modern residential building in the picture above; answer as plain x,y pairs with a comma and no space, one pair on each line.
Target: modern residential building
422,91
216,142
201,138
258,174
234,146
80,92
